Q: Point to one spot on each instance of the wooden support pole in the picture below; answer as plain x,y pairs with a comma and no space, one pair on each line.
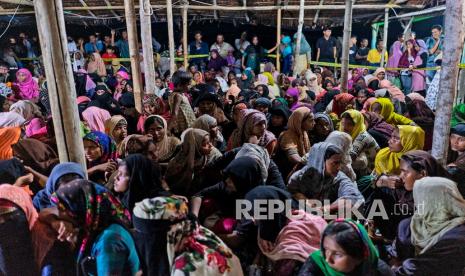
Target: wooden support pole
454,34
169,17
184,37
345,45
60,81
278,40
299,35
134,53
385,37
145,14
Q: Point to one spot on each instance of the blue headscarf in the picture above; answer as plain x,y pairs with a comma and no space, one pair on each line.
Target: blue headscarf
42,198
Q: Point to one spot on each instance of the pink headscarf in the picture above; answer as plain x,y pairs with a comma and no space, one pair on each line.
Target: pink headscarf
234,91
96,117
90,84
395,55
21,198
416,96
123,74
262,79
298,239
29,89
97,66
36,127
393,90
82,99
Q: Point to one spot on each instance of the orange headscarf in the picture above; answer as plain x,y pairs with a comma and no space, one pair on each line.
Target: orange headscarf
8,137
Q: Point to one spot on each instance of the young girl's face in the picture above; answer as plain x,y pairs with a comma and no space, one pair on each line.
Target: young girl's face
150,109
234,82
22,77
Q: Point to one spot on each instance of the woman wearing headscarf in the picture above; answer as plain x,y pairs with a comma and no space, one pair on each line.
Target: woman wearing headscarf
423,116
294,143
363,95
378,128
100,151
103,99
419,76
343,102
184,172
403,139
96,65
136,143
288,237
312,83
252,126
456,167
394,92
117,128
18,218
209,124
103,225
328,182
138,178
60,175
279,119
364,146
458,115
9,136
121,78
394,56
407,60
344,142
163,224
304,56
346,249
36,154
414,165
209,103
323,127
385,108
182,115
216,62
28,87
156,126
95,118
27,109
435,235
153,105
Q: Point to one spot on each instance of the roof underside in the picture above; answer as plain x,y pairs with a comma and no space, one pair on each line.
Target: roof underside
112,11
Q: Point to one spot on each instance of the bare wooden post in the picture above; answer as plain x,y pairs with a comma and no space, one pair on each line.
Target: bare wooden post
453,19
278,39
169,17
184,37
134,52
385,36
60,82
345,45
147,48
299,34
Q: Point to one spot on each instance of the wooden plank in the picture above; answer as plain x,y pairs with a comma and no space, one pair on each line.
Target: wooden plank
345,45
454,19
184,37
147,47
278,39
299,35
60,81
134,53
169,18
385,36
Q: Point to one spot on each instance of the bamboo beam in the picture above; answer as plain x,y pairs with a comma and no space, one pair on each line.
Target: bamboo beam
345,45
317,14
19,2
299,36
60,81
169,18
215,12
109,5
84,4
278,39
385,37
454,33
147,48
134,52
184,37
231,8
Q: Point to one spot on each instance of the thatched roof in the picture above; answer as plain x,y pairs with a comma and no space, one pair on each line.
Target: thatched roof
253,11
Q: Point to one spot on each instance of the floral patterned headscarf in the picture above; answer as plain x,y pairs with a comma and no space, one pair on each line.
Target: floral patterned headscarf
93,207
106,144
192,249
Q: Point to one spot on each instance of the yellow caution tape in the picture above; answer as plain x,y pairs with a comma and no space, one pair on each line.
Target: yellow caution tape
331,64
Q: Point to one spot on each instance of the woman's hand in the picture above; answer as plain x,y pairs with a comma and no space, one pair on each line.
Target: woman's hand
65,230
266,246
392,182
24,180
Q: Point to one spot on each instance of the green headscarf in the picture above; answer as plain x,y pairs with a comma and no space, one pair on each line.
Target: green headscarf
371,253
458,115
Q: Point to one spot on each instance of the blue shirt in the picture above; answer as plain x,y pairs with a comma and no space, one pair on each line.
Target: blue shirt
115,252
123,46
201,49
430,42
89,47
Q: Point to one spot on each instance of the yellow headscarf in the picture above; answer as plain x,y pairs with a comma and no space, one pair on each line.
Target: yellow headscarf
411,138
387,111
269,77
359,122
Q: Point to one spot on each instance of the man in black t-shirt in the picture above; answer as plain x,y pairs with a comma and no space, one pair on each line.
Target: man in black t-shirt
326,47
352,49
362,53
